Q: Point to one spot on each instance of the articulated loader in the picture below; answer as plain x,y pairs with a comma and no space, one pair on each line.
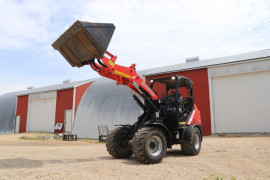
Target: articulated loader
165,121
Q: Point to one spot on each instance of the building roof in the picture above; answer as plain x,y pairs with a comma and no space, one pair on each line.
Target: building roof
211,62
55,87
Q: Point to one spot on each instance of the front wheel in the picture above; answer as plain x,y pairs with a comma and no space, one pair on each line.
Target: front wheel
193,146
117,143
149,145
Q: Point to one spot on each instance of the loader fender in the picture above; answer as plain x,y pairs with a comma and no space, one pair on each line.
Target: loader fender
189,131
165,130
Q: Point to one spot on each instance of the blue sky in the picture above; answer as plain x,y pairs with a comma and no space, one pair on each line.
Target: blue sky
149,33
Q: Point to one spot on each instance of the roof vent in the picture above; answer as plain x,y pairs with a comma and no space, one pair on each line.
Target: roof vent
67,81
31,87
192,59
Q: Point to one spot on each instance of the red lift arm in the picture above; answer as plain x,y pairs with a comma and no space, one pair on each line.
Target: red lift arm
122,75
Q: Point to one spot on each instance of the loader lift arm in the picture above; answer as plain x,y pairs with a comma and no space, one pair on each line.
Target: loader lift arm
125,76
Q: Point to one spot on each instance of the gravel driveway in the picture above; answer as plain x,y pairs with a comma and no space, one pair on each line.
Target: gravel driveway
220,158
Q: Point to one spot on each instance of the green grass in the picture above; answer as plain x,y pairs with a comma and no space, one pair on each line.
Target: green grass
29,138
88,139
217,178
221,178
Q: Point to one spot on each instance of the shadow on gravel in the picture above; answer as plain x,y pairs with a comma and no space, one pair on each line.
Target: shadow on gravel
106,158
133,161
19,163
28,163
175,152
129,161
170,153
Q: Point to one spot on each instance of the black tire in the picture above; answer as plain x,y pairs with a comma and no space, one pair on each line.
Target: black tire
117,143
193,146
149,145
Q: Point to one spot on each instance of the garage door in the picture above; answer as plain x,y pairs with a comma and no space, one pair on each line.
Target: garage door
242,103
41,112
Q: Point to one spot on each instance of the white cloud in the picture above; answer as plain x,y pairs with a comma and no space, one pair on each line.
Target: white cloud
149,33
28,23
19,25
155,33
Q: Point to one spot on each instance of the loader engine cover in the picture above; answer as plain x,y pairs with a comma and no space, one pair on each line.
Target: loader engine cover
84,41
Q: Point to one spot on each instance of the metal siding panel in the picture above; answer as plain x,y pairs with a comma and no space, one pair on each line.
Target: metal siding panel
211,97
7,113
64,101
240,68
200,91
79,93
22,110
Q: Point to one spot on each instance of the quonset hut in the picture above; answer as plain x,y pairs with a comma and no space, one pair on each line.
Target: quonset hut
105,103
7,112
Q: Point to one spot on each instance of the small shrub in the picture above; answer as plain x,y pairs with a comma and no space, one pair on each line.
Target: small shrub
29,138
217,178
100,142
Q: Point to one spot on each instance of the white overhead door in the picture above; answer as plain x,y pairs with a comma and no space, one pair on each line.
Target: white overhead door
241,103
41,112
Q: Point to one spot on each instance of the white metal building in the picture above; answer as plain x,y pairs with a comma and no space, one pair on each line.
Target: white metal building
240,96
40,109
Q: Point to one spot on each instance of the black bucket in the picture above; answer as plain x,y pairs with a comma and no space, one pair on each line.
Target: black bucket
84,41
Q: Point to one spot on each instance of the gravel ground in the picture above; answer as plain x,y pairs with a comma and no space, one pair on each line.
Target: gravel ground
220,158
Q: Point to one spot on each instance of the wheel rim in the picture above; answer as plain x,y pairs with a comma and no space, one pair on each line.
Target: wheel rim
155,146
197,141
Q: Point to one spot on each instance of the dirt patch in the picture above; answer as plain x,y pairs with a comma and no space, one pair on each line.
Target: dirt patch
220,157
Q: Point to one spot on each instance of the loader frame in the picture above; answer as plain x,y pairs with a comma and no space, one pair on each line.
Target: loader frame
127,76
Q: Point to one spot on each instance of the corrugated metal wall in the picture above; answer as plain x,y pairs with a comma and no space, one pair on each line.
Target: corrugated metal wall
64,102
201,93
7,112
79,93
22,109
104,103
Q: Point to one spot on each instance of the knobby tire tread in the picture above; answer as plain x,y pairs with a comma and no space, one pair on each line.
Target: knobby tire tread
111,148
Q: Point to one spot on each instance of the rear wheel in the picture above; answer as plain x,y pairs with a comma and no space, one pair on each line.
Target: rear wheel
193,146
117,143
149,145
